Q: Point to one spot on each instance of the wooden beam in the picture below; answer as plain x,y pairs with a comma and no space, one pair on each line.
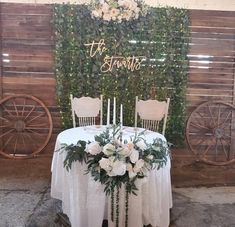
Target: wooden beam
232,147
1,74
1,63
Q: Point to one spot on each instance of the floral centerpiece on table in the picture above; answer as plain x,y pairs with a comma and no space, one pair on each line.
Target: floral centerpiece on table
117,10
115,163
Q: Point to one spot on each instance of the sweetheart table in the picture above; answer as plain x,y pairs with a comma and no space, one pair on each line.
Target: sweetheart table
84,200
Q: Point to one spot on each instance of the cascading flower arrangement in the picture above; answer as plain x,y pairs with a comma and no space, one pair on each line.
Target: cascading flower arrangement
117,10
116,163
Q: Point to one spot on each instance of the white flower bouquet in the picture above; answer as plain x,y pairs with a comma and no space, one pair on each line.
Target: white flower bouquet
114,162
116,10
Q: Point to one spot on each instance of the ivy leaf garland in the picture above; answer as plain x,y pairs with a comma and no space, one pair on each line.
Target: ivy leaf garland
162,36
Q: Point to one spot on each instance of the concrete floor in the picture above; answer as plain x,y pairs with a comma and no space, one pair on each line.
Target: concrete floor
203,207
25,199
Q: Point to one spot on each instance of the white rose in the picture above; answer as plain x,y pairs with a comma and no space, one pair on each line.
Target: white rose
107,17
142,145
108,149
125,152
156,148
126,149
119,168
134,156
119,19
138,165
114,12
117,142
134,5
127,15
126,4
93,148
130,145
105,164
137,10
150,157
105,8
96,13
131,173
120,2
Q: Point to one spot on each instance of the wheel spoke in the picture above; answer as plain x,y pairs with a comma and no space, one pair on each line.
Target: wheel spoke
204,139
209,146
9,131
38,134
30,137
14,104
4,119
33,107
5,126
200,115
35,125
225,125
227,117
22,136
227,136
216,148
207,149
199,141
201,118
224,150
22,113
199,126
40,115
211,116
15,145
33,128
5,144
218,119
8,111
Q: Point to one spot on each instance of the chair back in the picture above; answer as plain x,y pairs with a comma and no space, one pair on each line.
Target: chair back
151,113
86,109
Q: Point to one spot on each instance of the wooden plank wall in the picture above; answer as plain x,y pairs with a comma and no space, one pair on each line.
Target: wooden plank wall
27,56
211,77
1,87
212,56
27,48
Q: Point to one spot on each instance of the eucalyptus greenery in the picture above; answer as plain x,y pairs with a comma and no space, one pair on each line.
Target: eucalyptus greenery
161,36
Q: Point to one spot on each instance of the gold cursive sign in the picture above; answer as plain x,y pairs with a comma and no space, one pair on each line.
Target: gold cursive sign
131,63
100,47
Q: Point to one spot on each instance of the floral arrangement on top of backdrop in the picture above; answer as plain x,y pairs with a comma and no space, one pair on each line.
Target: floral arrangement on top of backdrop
115,163
117,10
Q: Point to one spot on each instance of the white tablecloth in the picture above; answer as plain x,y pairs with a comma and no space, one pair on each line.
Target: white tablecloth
83,199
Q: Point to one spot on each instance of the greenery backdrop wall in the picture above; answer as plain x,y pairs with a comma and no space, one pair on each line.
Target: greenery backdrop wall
158,42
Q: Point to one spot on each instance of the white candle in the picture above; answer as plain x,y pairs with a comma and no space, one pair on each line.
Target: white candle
121,115
136,103
108,112
114,110
101,109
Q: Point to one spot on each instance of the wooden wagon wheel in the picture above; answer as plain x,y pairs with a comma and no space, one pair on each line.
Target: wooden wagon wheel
25,126
209,131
